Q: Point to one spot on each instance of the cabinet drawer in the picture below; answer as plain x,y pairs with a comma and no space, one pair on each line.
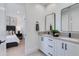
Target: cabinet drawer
50,50
50,46
49,39
50,54
50,42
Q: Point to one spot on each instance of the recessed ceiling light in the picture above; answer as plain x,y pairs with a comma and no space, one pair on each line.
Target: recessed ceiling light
18,12
46,4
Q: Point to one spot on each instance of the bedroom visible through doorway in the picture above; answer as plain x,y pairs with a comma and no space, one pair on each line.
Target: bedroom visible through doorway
15,41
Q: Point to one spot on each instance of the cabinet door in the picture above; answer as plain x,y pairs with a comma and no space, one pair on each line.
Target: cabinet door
44,45
47,46
59,48
71,49
41,42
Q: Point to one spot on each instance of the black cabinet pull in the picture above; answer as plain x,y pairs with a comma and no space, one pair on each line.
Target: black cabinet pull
42,39
65,46
62,45
50,46
50,39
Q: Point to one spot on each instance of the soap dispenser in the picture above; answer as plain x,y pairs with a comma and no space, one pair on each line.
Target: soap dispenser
37,26
69,35
50,27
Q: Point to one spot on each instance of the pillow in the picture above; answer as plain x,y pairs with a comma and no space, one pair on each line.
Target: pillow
13,32
10,32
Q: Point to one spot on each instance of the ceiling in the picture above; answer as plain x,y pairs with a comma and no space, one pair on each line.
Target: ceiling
46,4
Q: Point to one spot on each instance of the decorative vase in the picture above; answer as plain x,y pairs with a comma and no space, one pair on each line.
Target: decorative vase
56,34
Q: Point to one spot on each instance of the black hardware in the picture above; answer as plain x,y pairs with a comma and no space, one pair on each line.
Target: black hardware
42,39
50,39
65,46
50,46
62,45
2,41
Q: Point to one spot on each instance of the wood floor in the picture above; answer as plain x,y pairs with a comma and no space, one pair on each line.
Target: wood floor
17,51
20,51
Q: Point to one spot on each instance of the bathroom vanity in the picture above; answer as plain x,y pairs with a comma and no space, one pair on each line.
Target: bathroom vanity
59,46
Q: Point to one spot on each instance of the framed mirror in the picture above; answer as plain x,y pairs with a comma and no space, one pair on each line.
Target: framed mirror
50,22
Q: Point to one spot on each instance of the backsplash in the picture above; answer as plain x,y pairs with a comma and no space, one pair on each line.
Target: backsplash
73,34
65,34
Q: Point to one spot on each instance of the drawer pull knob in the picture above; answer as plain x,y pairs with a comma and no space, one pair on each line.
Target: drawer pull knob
50,46
65,46
42,39
62,45
50,39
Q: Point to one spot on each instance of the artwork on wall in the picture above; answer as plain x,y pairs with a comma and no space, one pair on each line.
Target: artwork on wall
11,20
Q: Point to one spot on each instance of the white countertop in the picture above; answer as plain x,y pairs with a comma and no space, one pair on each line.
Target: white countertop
73,40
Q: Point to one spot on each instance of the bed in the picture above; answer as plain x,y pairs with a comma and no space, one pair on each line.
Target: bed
11,38
11,41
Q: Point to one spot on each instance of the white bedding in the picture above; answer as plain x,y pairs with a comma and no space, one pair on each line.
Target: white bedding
12,38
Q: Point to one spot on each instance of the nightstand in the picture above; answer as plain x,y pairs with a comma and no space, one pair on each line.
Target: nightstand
19,35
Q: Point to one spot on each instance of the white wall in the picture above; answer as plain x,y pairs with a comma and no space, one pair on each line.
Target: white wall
34,12
18,12
2,20
2,30
37,12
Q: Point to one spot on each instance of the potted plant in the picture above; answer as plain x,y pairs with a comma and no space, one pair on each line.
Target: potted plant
55,33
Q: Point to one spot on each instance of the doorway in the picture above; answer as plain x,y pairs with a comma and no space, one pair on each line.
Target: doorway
15,42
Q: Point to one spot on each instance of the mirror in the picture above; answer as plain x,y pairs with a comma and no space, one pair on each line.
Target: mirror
50,22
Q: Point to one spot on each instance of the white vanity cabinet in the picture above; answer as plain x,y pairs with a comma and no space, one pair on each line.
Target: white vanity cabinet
43,45
71,49
47,46
50,46
58,47
64,48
